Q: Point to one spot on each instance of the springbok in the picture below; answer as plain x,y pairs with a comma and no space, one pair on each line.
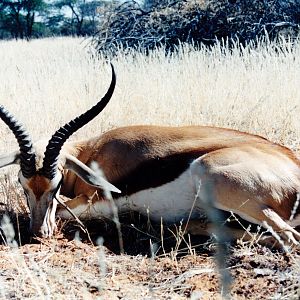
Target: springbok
157,171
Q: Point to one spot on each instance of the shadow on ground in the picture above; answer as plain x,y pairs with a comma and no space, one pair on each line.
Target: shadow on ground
139,235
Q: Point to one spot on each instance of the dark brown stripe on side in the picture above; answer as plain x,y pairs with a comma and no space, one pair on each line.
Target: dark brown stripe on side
154,173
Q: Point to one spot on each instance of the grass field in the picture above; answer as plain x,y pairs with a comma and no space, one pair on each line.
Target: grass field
45,83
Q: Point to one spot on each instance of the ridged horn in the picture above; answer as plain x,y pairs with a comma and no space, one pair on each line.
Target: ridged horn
63,133
27,153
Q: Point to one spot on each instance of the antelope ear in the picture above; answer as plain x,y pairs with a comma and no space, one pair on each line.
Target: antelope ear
9,159
89,175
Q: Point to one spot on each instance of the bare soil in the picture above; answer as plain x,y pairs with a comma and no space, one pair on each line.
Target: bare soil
74,266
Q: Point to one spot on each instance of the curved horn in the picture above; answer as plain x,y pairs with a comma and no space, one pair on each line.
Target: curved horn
27,157
63,133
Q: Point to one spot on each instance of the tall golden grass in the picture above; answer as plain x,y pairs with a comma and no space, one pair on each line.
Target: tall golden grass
47,82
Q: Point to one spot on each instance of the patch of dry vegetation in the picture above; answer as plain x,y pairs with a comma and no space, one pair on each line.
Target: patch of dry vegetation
47,82
200,22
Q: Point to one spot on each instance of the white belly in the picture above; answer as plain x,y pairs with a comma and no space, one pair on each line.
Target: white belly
172,202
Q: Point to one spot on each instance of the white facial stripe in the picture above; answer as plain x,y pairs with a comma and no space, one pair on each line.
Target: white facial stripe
55,181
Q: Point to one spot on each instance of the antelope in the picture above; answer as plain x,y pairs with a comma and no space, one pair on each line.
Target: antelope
161,172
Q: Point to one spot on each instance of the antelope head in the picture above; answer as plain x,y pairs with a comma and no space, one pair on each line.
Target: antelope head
42,185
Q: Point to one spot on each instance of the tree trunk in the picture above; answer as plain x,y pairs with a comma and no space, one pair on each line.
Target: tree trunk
29,24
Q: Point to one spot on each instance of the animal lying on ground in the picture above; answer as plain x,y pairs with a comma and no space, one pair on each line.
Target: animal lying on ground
168,173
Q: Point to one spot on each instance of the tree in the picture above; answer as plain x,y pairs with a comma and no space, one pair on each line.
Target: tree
83,14
19,16
4,32
36,18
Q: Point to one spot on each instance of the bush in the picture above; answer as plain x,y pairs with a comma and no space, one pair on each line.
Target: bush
170,23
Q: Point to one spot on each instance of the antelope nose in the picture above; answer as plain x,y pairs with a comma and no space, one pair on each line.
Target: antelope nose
46,231
40,230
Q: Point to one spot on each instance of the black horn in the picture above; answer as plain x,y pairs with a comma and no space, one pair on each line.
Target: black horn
27,153
63,133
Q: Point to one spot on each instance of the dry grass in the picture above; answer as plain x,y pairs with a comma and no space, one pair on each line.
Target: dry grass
254,90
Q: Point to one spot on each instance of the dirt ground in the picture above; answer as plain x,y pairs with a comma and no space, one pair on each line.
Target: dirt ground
74,266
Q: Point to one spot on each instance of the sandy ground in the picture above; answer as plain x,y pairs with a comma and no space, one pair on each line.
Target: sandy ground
69,266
